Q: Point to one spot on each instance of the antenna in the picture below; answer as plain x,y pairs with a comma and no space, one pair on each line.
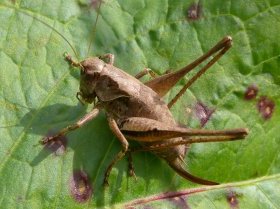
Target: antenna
49,26
94,27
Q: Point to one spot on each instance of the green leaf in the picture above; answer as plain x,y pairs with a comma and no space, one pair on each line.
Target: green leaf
259,193
38,90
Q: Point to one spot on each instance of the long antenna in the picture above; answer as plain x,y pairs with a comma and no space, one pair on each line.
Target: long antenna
94,27
49,26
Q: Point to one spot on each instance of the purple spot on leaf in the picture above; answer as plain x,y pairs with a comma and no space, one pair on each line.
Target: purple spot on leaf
232,199
147,207
130,207
203,113
251,92
265,107
58,146
95,3
80,187
179,202
194,12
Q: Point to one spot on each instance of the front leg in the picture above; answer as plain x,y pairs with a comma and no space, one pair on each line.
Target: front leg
114,127
88,117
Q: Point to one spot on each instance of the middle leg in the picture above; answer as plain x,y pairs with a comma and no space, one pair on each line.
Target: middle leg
114,127
144,72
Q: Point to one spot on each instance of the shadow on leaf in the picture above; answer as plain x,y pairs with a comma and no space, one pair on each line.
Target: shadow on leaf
94,147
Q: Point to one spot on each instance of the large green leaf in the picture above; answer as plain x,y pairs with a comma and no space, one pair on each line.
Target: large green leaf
38,98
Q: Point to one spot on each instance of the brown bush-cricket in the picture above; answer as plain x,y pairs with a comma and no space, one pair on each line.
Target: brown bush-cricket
136,110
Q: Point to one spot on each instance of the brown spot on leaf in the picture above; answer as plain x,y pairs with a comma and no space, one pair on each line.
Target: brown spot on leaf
232,199
251,92
203,113
265,107
58,146
80,187
194,11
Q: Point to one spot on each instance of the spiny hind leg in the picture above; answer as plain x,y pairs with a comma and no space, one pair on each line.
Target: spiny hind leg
186,141
220,48
149,130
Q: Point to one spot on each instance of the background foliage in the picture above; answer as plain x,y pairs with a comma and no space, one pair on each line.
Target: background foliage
37,97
